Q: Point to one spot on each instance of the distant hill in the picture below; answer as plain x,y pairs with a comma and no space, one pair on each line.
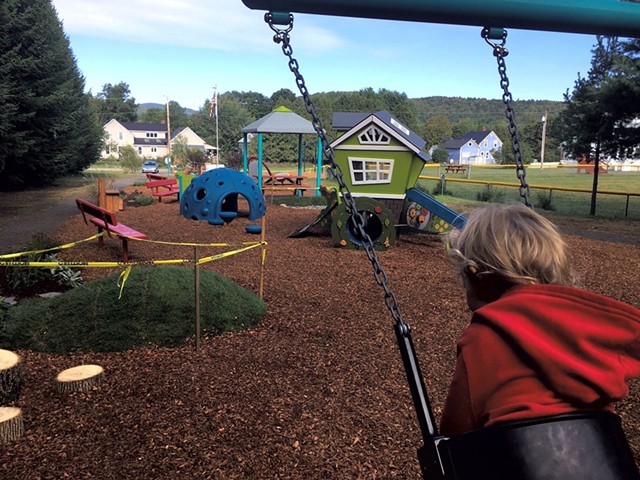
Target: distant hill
484,110
143,107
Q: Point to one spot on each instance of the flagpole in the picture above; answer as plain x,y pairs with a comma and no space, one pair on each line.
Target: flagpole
216,114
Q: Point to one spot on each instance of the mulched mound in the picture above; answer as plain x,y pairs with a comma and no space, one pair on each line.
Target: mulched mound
317,390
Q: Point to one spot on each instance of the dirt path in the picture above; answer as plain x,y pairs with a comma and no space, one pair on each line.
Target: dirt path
17,230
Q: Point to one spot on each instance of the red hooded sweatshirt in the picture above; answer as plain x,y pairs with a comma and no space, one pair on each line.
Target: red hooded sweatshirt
542,350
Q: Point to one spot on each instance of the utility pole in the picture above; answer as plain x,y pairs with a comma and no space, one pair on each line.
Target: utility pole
168,128
168,159
215,95
544,134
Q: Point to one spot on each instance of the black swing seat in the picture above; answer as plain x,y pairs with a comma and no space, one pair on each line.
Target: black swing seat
576,446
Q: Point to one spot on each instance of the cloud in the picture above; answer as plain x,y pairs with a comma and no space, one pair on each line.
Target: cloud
225,25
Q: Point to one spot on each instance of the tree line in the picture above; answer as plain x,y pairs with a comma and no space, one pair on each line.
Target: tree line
49,127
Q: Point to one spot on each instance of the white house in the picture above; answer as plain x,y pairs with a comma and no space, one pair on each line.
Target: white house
149,139
473,148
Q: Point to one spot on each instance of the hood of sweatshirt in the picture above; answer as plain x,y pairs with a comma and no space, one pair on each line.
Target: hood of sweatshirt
583,346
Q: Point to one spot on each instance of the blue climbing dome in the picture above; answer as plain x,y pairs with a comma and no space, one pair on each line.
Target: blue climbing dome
213,196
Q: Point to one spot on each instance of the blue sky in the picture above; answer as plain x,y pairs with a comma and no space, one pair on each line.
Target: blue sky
181,49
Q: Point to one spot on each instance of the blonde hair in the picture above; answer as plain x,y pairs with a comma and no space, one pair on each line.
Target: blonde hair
513,245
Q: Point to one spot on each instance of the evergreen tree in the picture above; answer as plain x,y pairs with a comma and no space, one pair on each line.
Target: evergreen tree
46,126
601,107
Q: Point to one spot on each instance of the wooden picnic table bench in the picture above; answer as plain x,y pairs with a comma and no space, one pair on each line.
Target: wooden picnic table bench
455,168
106,221
163,188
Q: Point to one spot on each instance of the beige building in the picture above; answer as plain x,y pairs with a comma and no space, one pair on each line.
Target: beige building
149,139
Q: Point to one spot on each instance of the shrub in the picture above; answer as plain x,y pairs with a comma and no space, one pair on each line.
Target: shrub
543,201
143,200
156,308
490,194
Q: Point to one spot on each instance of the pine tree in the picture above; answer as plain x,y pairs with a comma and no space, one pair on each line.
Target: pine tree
47,129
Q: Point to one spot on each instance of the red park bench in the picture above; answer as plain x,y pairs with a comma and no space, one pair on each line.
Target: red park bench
164,187
106,220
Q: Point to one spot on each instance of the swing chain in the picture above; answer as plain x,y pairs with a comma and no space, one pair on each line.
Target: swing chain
282,37
500,52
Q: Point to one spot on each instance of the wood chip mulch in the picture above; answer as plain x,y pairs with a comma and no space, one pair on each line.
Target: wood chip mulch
317,390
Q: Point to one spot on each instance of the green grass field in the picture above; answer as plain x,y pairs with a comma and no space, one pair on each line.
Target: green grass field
545,185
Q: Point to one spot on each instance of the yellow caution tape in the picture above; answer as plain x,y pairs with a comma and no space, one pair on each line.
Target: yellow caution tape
60,247
122,279
249,246
229,253
187,244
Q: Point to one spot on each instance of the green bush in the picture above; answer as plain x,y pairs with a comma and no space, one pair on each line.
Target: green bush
156,308
543,201
490,194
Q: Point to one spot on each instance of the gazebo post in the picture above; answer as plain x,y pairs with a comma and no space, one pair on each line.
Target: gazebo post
259,158
319,167
245,148
300,155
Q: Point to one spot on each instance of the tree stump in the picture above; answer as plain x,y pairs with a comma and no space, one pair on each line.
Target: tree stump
79,379
11,425
10,377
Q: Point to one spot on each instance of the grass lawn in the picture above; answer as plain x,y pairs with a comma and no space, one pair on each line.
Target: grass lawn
544,184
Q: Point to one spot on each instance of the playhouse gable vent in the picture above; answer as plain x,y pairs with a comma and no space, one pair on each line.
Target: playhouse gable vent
374,136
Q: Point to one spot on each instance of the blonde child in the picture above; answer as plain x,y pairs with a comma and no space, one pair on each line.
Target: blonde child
536,345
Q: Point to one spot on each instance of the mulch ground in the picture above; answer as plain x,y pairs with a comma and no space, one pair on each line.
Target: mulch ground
317,390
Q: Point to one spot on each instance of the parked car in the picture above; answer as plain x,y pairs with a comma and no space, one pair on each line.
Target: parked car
150,167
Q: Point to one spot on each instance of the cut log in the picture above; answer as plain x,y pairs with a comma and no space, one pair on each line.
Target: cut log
79,379
10,377
11,425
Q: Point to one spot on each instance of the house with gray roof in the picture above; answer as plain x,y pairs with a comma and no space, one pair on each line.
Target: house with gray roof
149,139
473,148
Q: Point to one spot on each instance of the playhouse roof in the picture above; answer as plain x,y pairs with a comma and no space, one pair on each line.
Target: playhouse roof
280,120
347,120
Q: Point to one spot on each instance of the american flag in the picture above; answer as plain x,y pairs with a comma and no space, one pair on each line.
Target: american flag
213,110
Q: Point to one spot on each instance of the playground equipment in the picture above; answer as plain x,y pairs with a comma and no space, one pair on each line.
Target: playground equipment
381,180
568,447
213,196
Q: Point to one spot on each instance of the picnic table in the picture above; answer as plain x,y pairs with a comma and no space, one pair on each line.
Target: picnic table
455,168
285,180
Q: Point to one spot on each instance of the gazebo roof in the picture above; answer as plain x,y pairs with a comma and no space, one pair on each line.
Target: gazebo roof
281,120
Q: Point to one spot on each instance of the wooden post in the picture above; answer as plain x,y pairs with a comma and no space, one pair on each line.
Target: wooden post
263,256
102,194
196,280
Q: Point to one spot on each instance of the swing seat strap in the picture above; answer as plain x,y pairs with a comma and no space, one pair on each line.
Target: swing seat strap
576,446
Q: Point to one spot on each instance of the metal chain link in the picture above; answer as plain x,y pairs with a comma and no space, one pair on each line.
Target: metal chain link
282,37
499,51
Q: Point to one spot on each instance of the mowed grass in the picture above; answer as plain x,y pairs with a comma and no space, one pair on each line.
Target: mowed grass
544,189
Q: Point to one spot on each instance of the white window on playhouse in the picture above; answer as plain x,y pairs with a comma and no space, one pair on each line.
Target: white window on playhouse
366,170
373,136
